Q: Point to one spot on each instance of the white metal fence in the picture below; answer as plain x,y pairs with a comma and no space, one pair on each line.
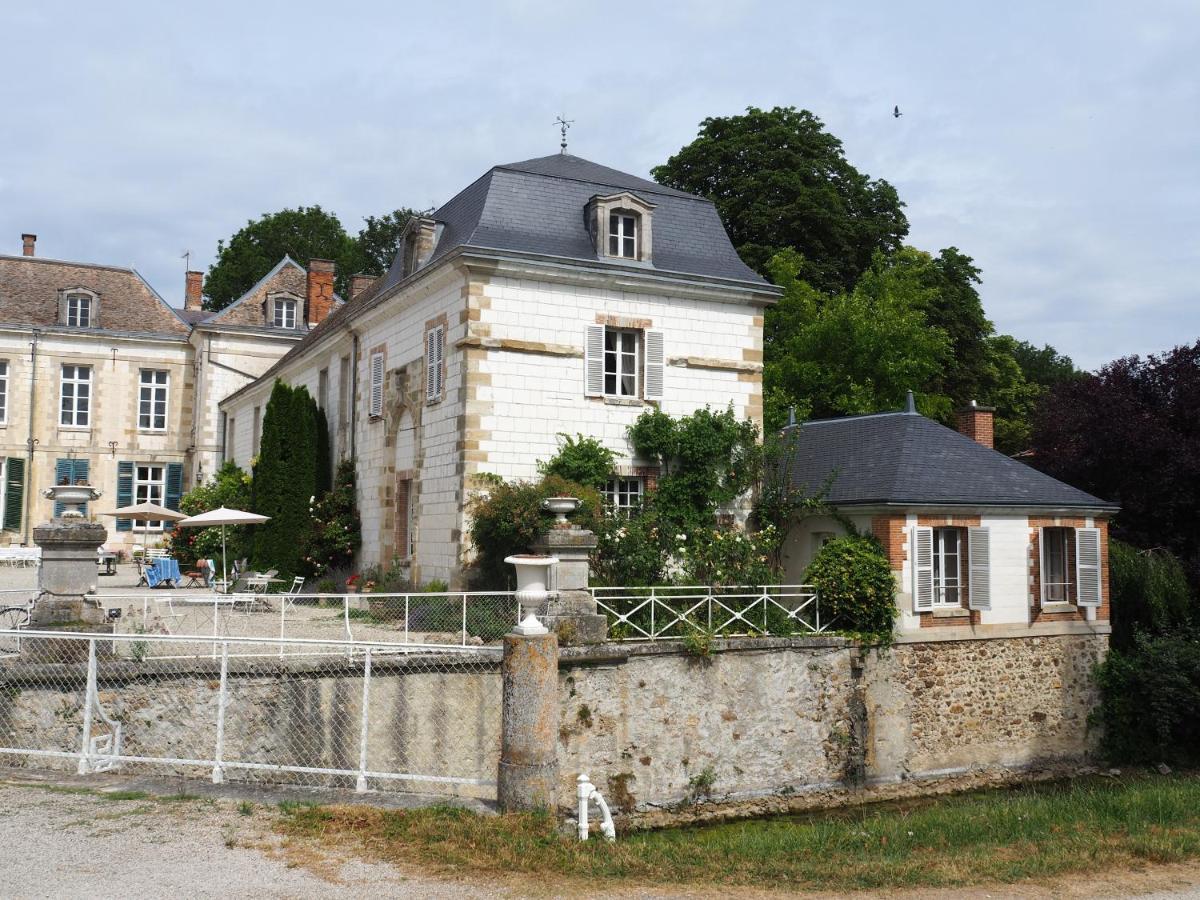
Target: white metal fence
363,715
655,613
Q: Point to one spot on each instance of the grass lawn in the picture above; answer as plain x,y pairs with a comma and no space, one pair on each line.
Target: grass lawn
1003,835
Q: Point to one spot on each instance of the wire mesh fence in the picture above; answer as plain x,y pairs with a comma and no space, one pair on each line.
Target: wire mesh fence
460,618
656,613
339,714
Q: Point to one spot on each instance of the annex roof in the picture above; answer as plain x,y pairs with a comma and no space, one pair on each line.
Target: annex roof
903,458
537,206
30,288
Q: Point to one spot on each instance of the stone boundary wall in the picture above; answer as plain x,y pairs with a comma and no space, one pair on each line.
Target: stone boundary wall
771,724
427,715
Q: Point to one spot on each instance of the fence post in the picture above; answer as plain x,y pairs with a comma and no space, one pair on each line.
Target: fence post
218,772
361,784
528,776
89,697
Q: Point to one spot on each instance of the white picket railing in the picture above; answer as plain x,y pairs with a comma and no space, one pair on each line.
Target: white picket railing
655,613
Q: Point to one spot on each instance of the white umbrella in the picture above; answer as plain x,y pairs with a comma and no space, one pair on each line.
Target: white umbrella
222,516
146,512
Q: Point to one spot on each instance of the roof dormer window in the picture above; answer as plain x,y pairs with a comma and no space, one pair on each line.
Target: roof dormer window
78,309
284,313
622,234
620,226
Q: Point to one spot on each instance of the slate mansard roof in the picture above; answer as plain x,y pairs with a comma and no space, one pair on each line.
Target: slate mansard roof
30,287
537,207
905,459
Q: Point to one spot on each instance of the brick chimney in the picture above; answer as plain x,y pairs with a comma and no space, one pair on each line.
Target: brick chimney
320,290
977,422
27,243
359,283
193,298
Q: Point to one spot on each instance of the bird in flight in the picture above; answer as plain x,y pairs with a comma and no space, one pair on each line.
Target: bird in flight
896,112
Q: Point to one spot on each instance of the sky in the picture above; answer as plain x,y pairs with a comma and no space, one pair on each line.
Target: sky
1055,143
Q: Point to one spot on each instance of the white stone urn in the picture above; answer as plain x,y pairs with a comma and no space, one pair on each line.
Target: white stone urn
72,497
561,507
533,579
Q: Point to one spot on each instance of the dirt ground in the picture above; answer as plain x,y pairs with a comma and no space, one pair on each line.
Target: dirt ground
62,840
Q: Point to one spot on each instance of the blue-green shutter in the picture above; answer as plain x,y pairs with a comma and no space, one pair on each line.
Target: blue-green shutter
174,489
62,475
124,491
14,495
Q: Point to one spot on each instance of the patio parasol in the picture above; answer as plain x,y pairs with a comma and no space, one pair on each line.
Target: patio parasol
146,512
222,516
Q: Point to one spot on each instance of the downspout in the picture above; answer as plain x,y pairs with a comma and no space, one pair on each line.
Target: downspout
353,396
33,344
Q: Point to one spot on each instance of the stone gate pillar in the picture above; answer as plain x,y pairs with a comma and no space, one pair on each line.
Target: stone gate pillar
67,576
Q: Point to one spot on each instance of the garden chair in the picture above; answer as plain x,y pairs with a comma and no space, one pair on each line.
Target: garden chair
289,596
198,575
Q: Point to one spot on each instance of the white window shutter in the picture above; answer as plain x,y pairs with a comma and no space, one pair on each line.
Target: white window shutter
1042,565
593,362
656,364
440,359
1087,566
431,366
979,558
376,402
922,563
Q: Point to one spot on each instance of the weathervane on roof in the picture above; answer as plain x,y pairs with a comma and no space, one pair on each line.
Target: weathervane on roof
564,124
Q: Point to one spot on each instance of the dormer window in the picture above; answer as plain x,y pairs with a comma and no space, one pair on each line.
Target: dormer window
622,235
78,310
284,313
619,225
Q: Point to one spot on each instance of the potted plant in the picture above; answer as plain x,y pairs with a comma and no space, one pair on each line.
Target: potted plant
352,584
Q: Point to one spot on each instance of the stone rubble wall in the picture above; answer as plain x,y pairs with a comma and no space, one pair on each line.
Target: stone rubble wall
771,725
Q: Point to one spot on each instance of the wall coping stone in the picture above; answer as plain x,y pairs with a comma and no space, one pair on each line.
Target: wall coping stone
1001,632
621,652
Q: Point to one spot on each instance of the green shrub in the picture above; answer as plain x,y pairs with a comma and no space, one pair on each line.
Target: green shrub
285,479
725,557
1149,697
1149,591
229,487
334,534
857,591
628,551
582,460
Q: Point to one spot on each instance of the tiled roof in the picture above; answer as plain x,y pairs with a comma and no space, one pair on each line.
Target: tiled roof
906,459
30,286
537,206
286,275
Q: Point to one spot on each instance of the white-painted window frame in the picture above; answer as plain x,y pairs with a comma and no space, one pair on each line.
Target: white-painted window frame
151,394
1050,592
623,234
147,488
623,494
80,388
79,310
284,311
947,588
623,361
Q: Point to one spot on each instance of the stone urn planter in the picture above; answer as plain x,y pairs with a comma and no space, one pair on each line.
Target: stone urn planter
73,497
533,579
561,507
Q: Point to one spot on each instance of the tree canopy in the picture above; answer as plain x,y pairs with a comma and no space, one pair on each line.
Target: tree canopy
1131,433
305,233
780,180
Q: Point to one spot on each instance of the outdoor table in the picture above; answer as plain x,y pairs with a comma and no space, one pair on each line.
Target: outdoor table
166,571
108,559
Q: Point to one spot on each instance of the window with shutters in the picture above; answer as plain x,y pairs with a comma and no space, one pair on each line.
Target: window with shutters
623,496
152,400
76,396
947,567
624,363
375,385
149,486
3,392
14,493
435,363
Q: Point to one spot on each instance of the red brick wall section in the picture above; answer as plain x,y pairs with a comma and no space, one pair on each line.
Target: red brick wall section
193,290
320,290
1035,565
977,423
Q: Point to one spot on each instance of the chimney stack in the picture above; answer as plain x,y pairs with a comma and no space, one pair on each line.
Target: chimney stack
193,293
359,283
27,243
977,423
320,290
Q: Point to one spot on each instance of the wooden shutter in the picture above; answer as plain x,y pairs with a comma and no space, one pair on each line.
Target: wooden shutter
1087,566
593,362
1041,565
124,491
174,492
922,563
14,495
439,357
656,363
431,374
979,560
375,406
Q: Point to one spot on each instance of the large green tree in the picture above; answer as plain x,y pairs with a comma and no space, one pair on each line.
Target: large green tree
378,240
780,180
285,479
305,233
